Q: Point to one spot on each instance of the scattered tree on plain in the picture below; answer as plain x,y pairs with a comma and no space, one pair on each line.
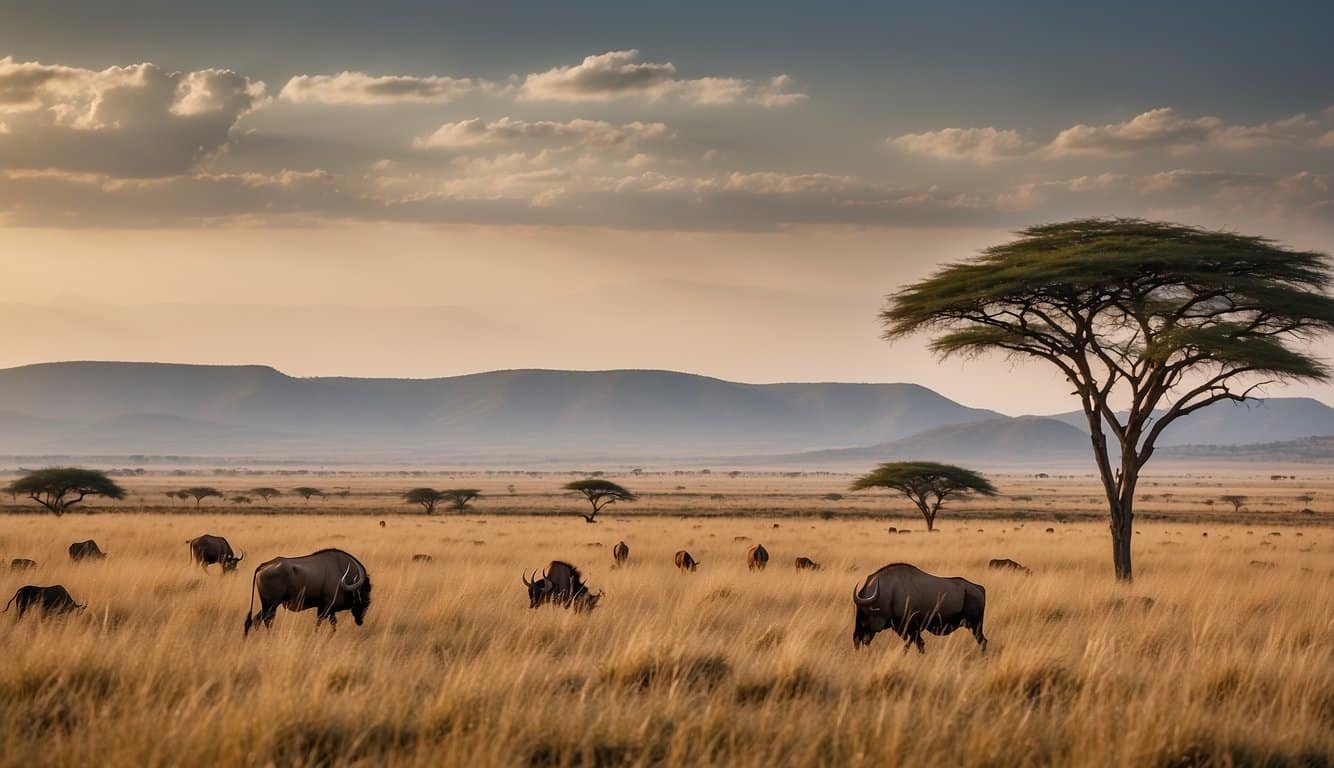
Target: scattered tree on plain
201,492
926,483
306,492
460,498
1236,501
599,493
265,493
59,488
1148,321
426,497
241,499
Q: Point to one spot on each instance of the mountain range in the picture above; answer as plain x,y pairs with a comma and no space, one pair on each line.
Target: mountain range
84,408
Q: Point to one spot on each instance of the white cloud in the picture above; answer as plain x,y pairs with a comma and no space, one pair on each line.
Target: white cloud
1324,141
598,133
361,89
620,74
1165,129
983,145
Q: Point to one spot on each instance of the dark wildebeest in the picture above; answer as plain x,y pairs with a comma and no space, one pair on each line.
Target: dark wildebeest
907,600
22,564
621,552
422,558
1005,563
86,550
757,557
49,599
561,584
329,580
685,562
208,550
807,564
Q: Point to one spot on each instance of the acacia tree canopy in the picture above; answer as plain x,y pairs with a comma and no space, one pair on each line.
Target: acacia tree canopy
266,493
599,493
927,484
201,492
460,498
59,488
306,492
1149,322
426,497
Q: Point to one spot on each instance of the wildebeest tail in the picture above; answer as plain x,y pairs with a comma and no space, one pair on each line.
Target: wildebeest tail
249,621
11,602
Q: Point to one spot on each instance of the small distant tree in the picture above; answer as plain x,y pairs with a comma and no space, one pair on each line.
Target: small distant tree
426,497
1236,501
241,499
1306,499
599,493
306,492
265,493
926,483
59,488
460,498
201,492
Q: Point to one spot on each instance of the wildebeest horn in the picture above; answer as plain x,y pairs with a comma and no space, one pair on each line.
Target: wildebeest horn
361,579
526,581
242,557
866,602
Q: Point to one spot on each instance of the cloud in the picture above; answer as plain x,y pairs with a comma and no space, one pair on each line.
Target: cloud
361,89
132,121
982,145
1164,129
1324,141
620,74
596,133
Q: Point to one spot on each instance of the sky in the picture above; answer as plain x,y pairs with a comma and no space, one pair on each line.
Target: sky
414,189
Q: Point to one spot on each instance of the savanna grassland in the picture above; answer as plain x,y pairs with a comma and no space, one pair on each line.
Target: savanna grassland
1207,659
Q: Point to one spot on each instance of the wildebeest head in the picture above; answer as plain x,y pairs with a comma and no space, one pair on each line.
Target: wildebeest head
230,561
868,619
539,590
358,589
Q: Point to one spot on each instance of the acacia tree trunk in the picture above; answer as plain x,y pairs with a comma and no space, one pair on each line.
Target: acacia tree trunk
1123,529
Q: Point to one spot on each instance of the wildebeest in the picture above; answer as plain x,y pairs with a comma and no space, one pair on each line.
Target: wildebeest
907,600
381,523
1005,563
757,557
561,584
22,564
86,550
621,552
329,580
807,564
684,561
207,550
422,558
49,599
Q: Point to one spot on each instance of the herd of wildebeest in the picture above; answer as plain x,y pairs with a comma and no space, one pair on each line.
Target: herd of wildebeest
899,597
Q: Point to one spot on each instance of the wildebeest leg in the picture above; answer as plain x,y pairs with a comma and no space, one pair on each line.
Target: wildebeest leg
921,646
333,622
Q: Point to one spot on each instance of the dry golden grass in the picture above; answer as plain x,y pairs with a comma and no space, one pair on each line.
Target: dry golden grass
1231,665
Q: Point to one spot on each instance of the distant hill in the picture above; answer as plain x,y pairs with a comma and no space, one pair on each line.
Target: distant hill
1305,450
1260,421
102,407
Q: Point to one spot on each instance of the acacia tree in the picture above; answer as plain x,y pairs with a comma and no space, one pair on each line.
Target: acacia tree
265,493
926,483
599,493
426,497
59,488
460,498
201,492
1148,321
306,492
1236,501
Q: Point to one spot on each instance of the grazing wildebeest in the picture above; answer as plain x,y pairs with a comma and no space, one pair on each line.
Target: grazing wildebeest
422,558
381,523
757,557
807,564
22,564
621,552
207,550
561,584
86,550
49,599
685,562
907,600
1006,563
329,580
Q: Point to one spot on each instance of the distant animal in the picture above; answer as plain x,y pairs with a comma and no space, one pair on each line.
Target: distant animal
1051,530
207,550
381,523
422,558
561,584
621,552
49,599
757,557
22,564
807,564
907,600
1263,565
684,561
86,550
329,581
1005,563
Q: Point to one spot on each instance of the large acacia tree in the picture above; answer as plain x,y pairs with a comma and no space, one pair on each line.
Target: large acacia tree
599,494
927,484
1148,321
59,488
